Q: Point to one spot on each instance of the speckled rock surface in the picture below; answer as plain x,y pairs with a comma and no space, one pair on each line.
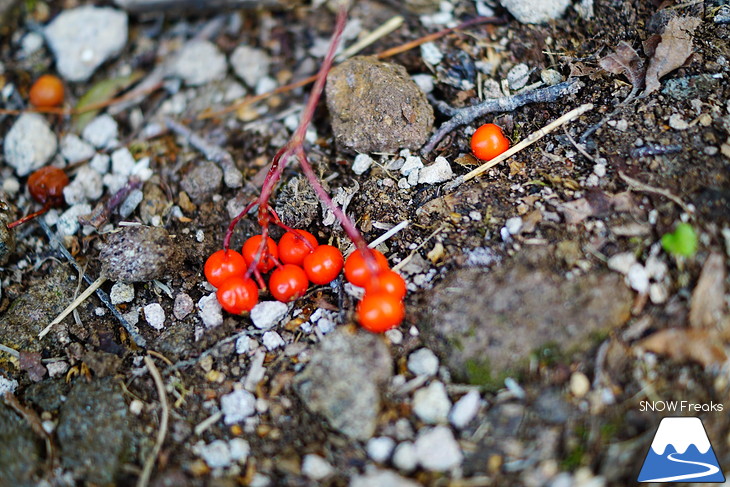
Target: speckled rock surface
343,379
528,308
20,455
138,253
7,237
93,430
376,107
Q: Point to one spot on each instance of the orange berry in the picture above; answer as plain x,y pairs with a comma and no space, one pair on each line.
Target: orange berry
357,269
379,312
488,142
47,91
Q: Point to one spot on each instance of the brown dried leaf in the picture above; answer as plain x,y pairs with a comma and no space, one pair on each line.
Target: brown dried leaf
624,60
708,298
672,52
687,344
31,363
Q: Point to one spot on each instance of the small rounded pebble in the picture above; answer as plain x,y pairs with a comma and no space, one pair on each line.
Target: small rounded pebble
272,340
7,385
267,314
101,132
216,454
203,181
315,467
638,278
362,163
437,450
250,64
532,12
123,162
240,449
68,222
677,122
29,144
183,306
74,150
579,384
122,293
200,62
210,311
138,253
155,316
517,76
423,362
85,37
551,77
438,172
431,404
237,406
465,409
380,448
405,457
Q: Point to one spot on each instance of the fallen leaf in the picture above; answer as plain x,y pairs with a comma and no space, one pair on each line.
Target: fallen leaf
596,203
101,92
625,60
687,344
672,51
707,305
31,363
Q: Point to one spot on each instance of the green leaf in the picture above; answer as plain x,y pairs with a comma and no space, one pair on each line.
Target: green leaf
99,93
683,241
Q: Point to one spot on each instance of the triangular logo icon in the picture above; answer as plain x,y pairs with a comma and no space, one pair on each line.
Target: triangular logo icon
681,452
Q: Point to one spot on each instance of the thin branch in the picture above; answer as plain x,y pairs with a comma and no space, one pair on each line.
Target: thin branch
149,464
528,141
639,186
463,116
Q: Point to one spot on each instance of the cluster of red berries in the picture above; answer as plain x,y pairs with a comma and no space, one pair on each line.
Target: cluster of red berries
294,262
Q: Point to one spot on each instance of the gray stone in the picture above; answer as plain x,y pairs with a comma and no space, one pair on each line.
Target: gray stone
431,404
211,311
74,150
438,172
202,181
343,381
535,11
237,406
437,449
101,132
200,62
155,315
250,64
267,314
85,37
139,253
68,222
122,293
29,143
376,107
518,76
315,467
465,409
86,185
423,362
21,453
183,306
486,323
93,430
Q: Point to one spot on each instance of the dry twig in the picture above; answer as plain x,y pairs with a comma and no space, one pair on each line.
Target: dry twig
639,186
144,478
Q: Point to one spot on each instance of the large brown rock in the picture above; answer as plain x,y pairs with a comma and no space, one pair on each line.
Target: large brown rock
376,107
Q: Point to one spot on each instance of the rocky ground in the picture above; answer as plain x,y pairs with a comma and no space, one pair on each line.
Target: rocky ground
550,299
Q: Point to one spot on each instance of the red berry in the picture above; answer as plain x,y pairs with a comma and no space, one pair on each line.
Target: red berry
357,268
46,185
238,294
379,312
389,282
288,283
224,264
47,91
294,246
268,257
324,264
488,142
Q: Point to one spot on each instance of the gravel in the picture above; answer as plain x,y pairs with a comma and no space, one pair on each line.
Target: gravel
74,150
437,450
532,12
68,222
431,404
438,172
517,76
29,143
250,64
83,38
210,311
203,181
123,162
267,314
183,306
122,293
381,478
86,185
362,163
199,62
237,406
315,467
343,381
423,362
272,340
405,457
380,448
465,409
217,454
7,385
155,316
102,132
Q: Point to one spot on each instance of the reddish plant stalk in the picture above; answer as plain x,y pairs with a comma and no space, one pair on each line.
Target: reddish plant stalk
294,149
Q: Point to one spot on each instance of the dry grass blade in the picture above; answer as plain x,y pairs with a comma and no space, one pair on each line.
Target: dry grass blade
639,186
76,302
144,478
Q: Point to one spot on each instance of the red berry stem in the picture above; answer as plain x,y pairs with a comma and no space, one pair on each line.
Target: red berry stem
30,216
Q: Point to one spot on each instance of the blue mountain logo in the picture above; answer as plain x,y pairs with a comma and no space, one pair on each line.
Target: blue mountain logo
681,452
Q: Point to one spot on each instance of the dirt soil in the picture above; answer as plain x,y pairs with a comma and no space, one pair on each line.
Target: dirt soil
542,286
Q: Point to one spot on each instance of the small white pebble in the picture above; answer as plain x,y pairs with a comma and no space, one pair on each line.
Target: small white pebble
237,406
517,76
431,404
395,336
315,467
622,262
155,316
362,163
431,54
438,172
638,278
7,385
122,293
136,406
210,311
423,362
267,314
216,454
56,369
404,457
437,450
272,340
101,132
513,225
677,122
240,450
380,448
579,384
465,409
122,162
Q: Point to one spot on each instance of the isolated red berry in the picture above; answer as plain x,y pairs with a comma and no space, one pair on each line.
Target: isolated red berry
268,258
288,283
238,294
358,270
47,91
389,282
222,265
379,312
46,185
294,246
324,264
488,142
